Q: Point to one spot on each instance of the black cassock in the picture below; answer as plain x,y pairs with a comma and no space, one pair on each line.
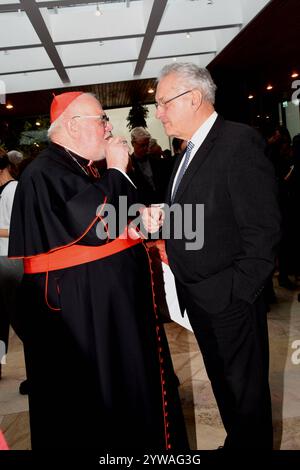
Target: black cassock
97,361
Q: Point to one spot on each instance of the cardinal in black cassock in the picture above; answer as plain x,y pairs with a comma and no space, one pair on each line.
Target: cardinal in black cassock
99,370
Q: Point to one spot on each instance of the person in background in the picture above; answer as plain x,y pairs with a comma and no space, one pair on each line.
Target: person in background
221,284
155,149
16,158
292,179
163,167
279,151
10,270
179,146
144,171
98,365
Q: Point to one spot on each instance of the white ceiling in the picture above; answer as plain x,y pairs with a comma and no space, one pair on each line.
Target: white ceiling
51,44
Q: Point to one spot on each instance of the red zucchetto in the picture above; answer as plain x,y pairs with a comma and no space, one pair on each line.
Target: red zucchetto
61,102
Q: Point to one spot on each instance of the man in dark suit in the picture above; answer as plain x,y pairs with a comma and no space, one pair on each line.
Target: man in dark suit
142,171
149,172
221,285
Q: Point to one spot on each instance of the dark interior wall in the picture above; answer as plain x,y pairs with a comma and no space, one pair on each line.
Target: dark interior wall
232,100
265,51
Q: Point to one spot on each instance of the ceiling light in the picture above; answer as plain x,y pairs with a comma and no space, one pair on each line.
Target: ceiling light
37,123
150,90
98,11
188,35
250,97
295,75
258,116
174,59
9,106
270,87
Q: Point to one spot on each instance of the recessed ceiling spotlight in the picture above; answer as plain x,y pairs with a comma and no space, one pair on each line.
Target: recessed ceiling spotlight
150,90
188,35
250,97
9,106
295,75
270,87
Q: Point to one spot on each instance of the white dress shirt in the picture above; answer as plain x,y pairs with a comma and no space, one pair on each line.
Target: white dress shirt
6,202
197,139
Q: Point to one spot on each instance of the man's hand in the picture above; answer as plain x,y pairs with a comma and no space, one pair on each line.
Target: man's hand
117,153
152,217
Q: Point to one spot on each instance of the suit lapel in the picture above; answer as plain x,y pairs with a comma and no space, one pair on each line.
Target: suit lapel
175,168
199,158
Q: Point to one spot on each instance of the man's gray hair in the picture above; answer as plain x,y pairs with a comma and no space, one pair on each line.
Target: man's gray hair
139,133
193,76
15,157
152,142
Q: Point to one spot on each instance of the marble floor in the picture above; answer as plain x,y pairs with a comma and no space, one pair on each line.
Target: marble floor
202,418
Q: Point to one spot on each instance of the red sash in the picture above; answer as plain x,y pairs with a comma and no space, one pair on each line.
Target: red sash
74,255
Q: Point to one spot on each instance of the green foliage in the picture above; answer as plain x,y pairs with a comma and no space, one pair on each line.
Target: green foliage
33,137
137,116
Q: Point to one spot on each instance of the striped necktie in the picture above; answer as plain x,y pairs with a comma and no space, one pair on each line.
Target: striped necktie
185,163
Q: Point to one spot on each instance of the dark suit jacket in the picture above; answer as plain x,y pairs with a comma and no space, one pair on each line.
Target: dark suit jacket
234,180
